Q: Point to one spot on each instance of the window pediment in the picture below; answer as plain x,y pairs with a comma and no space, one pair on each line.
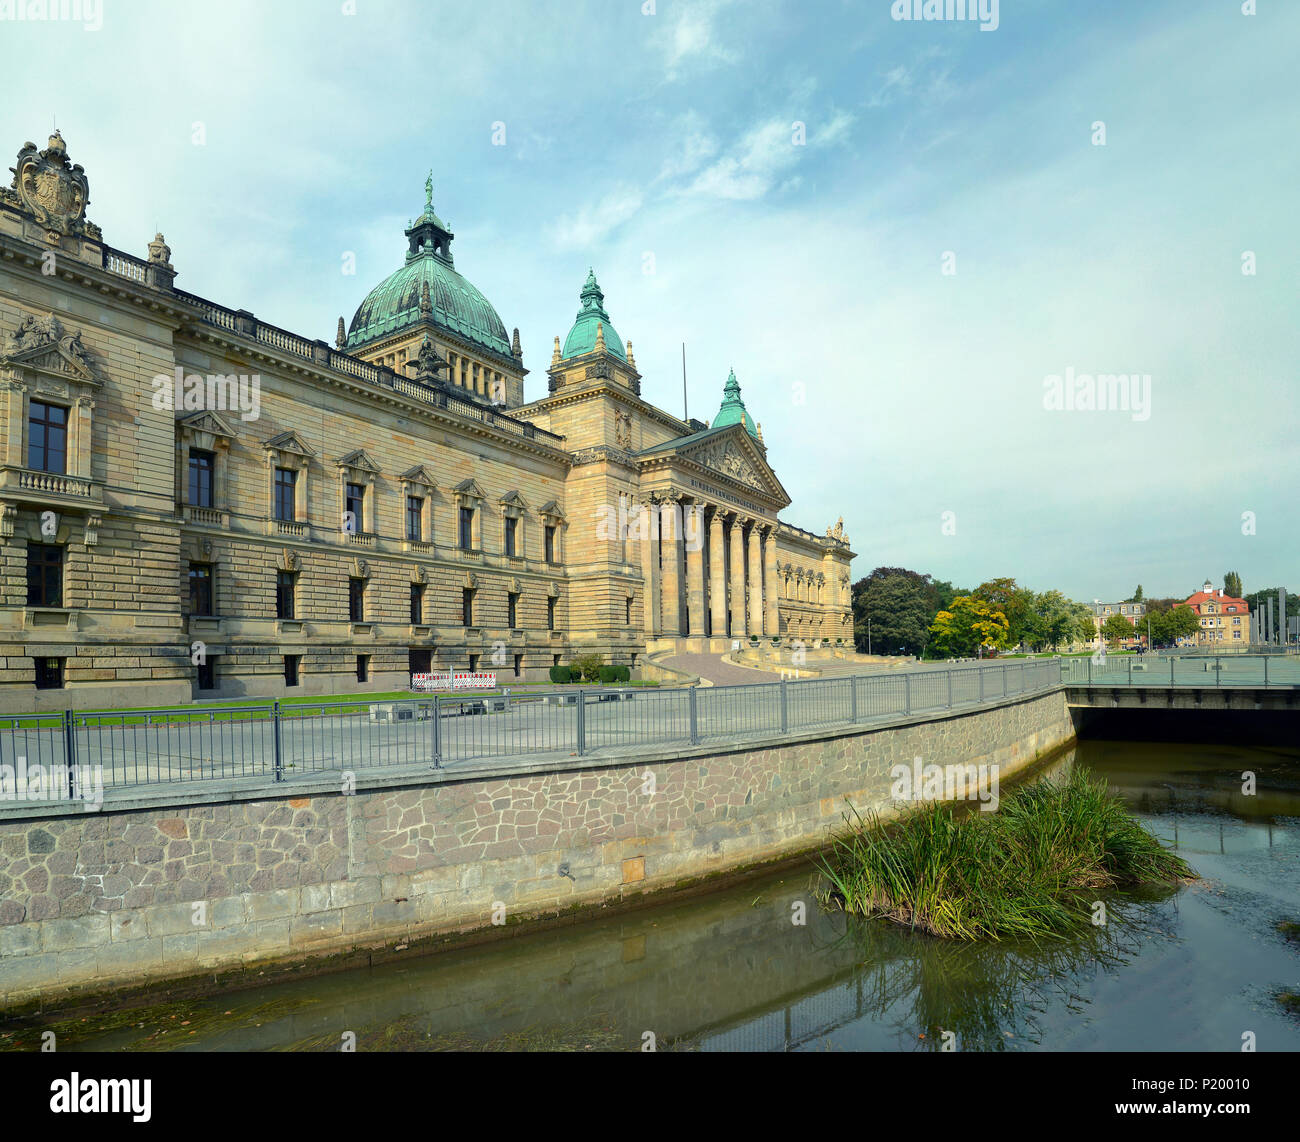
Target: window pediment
289,451
42,345
552,513
513,504
419,476
359,463
206,430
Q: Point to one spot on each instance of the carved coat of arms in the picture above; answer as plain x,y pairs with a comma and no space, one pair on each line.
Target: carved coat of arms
53,190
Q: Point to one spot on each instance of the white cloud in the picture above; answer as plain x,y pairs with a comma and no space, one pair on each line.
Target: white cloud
592,224
764,157
694,37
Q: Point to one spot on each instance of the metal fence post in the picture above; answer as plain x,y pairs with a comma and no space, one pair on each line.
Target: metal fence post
582,723
70,752
853,697
1172,659
907,694
279,745
785,710
1090,670
1218,678
1266,672
437,731
981,674
949,673
695,717
1130,671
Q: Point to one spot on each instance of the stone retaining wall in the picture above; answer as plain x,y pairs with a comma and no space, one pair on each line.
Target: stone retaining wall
105,899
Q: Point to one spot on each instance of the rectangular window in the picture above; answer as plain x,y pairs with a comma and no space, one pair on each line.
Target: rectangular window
200,589
466,539
202,465
550,614
354,505
512,528
291,669
286,481
512,611
417,604
467,606
627,617
550,543
473,663
47,437
49,673
44,575
363,667
207,678
415,518
357,600
286,583
519,665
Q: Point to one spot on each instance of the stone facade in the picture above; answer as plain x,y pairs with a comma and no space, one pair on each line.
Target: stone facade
196,503
94,900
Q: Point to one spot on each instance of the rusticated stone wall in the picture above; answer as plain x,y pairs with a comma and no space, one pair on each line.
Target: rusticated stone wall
103,899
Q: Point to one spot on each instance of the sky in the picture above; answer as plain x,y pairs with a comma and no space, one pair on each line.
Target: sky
917,242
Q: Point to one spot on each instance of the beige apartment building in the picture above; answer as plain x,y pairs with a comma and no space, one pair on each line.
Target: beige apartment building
196,503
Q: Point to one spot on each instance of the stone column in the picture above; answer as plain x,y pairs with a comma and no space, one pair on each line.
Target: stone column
693,537
737,579
717,577
648,537
772,619
755,582
81,438
670,558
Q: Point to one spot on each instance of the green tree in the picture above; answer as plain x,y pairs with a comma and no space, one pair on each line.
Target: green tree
1056,620
1136,597
1183,621
971,625
1256,598
898,609
1116,629
1232,584
1015,603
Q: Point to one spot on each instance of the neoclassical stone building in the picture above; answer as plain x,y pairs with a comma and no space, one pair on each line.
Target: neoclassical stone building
194,502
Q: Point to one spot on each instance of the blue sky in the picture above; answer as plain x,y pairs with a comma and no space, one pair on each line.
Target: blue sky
660,149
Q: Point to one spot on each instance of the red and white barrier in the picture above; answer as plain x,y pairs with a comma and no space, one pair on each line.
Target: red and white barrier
455,680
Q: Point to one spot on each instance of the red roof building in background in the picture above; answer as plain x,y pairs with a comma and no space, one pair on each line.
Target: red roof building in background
1223,617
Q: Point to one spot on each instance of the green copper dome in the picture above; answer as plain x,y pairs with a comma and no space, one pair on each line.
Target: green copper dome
582,337
733,408
455,304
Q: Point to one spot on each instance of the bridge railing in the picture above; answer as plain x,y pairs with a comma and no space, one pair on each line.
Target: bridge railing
79,756
1244,671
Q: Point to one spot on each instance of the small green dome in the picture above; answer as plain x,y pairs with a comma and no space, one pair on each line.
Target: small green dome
733,408
456,305
582,337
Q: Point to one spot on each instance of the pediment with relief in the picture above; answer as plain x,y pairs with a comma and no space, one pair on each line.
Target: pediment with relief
41,343
728,456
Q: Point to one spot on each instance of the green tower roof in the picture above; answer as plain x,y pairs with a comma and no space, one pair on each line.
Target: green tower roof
457,306
582,337
733,408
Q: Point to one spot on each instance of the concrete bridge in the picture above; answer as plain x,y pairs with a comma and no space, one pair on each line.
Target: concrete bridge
1184,682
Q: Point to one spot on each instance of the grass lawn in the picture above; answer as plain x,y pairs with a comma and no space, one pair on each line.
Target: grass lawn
258,707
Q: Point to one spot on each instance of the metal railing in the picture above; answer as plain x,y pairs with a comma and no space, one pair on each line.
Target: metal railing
74,754
1248,671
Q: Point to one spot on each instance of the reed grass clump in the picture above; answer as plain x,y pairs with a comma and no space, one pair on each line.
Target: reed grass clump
1032,869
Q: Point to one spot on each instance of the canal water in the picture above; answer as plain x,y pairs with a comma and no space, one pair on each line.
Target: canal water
1189,969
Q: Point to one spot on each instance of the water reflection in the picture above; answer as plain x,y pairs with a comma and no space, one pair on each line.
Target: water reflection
1177,970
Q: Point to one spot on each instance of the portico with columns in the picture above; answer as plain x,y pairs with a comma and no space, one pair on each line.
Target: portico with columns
685,512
